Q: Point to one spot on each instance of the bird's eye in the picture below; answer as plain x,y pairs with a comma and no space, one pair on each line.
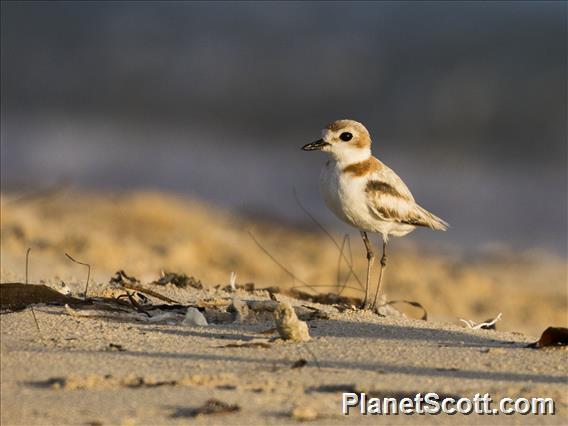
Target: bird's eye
346,136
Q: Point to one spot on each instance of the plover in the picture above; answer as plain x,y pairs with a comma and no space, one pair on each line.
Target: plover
365,193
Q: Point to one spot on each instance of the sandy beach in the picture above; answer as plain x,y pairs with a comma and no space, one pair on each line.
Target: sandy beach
168,256
93,370
91,367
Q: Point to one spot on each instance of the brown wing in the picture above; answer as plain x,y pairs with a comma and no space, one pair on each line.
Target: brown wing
389,204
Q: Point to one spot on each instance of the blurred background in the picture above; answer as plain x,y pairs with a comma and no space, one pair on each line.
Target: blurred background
212,101
466,101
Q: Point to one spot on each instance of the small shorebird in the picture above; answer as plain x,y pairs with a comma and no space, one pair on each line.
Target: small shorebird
365,193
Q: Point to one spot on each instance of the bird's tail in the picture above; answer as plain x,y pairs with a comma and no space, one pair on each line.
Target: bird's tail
432,221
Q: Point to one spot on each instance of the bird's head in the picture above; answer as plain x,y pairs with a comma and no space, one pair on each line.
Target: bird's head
348,141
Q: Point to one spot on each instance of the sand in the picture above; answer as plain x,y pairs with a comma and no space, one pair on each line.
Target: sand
144,233
101,370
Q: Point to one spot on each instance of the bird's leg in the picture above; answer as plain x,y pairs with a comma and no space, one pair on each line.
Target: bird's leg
370,258
383,267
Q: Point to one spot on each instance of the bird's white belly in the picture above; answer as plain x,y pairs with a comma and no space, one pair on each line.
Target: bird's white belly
346,197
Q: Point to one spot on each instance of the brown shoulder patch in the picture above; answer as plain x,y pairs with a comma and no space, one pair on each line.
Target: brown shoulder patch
363,167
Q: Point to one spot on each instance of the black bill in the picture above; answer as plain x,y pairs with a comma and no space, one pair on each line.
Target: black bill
315,146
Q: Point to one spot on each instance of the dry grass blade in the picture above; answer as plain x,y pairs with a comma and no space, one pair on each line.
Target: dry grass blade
313,355
27,262
31,307
341,256
350,272
88,271
338,279
36,323
291,274
326,232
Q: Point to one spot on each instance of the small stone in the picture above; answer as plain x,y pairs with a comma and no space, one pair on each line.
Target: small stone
288,325
194,317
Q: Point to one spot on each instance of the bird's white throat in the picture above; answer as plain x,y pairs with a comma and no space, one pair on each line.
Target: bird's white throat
346,154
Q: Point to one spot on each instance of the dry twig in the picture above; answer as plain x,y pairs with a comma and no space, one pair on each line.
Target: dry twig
27,262
138,307
131,283
31,307
88,271
326,232
291,274
474,326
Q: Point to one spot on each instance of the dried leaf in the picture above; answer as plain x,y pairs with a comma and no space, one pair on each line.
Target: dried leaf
552,337
19,296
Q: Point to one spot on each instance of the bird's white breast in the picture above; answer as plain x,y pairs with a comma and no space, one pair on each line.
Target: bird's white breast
345,196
